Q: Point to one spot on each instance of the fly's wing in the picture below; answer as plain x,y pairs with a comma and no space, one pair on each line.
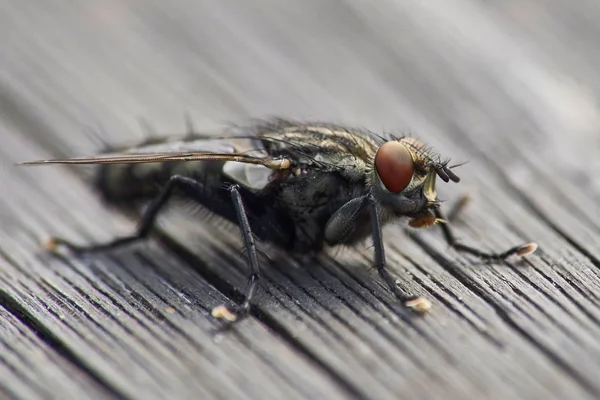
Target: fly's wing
249,154
197,143
141,158
181,151
243,160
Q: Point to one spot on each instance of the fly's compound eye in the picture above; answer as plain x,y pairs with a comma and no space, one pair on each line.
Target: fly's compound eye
395,166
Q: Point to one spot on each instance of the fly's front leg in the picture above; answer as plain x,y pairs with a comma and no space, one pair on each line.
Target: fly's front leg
145,224
522,250
458,208
250,245
416,303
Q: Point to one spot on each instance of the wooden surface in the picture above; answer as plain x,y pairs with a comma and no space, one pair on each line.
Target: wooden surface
510,86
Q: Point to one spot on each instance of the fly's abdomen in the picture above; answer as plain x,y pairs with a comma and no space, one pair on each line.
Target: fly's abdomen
138,181
131,182
123,182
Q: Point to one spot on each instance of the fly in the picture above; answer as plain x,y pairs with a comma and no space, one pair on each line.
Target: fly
300,186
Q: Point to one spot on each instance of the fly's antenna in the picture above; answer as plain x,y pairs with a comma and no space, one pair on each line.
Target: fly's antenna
445,173
458,165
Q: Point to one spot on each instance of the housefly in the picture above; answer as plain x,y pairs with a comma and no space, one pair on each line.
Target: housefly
300,186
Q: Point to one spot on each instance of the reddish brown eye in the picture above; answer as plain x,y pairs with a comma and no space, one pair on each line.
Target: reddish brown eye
394,166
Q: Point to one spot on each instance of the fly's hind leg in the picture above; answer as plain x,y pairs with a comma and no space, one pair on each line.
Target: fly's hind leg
145,224
192,188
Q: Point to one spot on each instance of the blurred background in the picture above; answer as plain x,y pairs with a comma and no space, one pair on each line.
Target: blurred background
524,71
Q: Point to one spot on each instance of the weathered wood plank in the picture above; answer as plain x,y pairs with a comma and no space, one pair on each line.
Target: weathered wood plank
32,370
480,82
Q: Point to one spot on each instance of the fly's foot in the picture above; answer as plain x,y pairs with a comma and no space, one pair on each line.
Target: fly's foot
527,249
222,312
230,316
418,304
55,244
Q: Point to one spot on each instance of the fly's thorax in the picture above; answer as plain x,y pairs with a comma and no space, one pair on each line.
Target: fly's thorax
328,147
403,177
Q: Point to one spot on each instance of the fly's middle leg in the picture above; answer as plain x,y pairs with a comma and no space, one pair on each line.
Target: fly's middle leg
416,303
250,245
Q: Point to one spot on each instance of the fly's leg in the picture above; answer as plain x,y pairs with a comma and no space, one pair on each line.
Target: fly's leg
522,250
416,303
189,185
458,208
250,245
146,221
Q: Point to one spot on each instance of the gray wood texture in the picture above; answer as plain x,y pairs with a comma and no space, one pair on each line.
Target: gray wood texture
510,86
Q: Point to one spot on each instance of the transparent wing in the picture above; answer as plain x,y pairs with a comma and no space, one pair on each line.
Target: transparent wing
133,158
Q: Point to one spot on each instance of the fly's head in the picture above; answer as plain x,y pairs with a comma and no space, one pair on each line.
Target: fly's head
403,180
